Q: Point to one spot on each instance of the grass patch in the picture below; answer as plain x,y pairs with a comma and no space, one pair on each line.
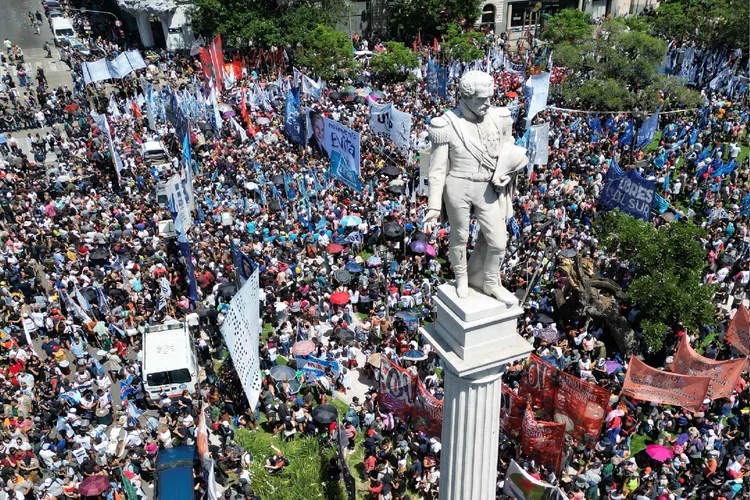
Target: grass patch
281,360
654,144
304,478
638,443
267,331
701,347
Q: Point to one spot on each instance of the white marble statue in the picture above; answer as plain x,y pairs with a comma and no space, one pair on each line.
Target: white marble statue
474,166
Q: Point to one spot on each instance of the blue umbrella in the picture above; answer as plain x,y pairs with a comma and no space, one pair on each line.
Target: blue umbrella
374,261
340,240
353,267
414,355
351,221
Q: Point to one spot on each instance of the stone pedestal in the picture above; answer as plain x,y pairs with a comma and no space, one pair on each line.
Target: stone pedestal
144,29
477,340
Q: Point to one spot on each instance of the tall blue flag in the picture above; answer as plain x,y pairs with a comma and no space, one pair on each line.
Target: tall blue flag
595,125
627,136
648,130
693,137
610,123
660,160
293,119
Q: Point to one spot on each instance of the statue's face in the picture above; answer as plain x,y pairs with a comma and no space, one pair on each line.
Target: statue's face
479,103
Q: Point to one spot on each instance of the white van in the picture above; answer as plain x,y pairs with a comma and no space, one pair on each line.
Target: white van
170,363
62,29
155,154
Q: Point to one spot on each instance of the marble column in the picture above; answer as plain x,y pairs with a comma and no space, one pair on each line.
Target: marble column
144,29
476,339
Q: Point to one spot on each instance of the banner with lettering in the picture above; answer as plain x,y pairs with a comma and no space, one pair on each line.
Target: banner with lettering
326,136
397,388
738,332
724,374
512,407
428,412
314,368
543,442
649,384
581,406
388,122
520,485
631,193
538,386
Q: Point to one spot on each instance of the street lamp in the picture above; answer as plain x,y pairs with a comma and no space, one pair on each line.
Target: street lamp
96,12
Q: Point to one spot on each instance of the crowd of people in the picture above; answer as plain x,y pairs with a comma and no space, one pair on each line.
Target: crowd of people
83,262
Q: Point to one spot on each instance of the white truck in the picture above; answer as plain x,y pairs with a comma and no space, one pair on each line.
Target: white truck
170,362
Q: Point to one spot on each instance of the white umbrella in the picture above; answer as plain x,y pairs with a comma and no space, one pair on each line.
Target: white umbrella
251,186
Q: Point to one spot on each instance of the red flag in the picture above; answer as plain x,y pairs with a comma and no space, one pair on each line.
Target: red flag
512,407
397,388
217,60
581,406
136,110
537,385
435,45
428,412
206,63
649,384
738,333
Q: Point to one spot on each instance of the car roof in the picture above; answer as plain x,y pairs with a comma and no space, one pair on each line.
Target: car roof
175,454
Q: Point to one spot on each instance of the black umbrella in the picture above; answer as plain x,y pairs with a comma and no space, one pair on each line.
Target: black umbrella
393,231
344,334
538,217
342,276
278,180
390,171
726,259
90,294
227,290
543,319
396,189
336,95
274,205
325,414
340,240
420,236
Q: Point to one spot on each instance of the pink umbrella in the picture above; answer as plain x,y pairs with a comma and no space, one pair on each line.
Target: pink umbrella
303,347
430,250
659,452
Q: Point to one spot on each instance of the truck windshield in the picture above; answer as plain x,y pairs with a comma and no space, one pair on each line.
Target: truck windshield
181,376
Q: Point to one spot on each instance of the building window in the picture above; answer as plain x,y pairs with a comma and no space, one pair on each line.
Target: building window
488,17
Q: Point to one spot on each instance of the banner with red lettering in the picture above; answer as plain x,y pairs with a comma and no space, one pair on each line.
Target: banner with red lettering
738,332
543,442
538,386
649,384
428,412
216,51
724,374
512,407
397,389
581,406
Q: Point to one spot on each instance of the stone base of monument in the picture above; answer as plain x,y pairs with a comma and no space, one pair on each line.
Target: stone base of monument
476,338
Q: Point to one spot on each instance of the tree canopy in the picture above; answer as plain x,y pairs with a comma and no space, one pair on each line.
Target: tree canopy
715,23
571,25
328,52
669,264
264,22
465,46
430,18
395,60
618,70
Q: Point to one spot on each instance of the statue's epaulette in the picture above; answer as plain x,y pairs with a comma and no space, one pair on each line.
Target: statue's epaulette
440,131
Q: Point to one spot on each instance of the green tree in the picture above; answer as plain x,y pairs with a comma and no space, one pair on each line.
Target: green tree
265,22
667,283
328,52
570,25
430,18
395,60
465,46
717,23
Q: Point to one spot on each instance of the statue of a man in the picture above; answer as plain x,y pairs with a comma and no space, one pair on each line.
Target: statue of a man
474,165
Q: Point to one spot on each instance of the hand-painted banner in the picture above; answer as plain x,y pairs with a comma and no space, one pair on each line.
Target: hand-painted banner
428,412
724,374
388,122
326,136
738,332
520,485
512,407
314,368
543,442
631,193
397,389
649,384
538,386
581,406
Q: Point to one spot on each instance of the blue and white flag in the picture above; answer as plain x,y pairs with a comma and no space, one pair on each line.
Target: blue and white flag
627,136
311,87
660,204
648,131
102,300
660,160
293,119
514,227
630,193
538,148
536,91
340,170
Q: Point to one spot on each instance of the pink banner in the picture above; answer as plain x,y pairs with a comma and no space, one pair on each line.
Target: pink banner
397,389
428,412
724,374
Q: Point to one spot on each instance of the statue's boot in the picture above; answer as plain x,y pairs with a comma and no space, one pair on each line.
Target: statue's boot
491,285
457,256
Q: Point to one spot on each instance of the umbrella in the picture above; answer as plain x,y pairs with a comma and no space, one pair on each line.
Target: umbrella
339,298
274,205
283,372
418,246
659,452
293,386
543,319
334,248
374,261
420,236
430,250
93,486
396,182
390,171
303,348
511,94
350,221
70,108
342,276
612,366
377,94
229,113
344,334
538,217
325,414
568,253
353,267
375,359
393,231
396,189
409,314
667,216
277,180
263,120
614,413
251,186
414,355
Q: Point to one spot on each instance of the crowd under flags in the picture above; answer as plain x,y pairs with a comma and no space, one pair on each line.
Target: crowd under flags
647,131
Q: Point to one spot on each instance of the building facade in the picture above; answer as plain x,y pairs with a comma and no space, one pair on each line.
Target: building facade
171,17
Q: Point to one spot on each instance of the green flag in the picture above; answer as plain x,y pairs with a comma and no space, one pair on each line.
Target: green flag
130,492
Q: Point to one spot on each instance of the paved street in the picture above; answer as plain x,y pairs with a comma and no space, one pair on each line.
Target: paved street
15,25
